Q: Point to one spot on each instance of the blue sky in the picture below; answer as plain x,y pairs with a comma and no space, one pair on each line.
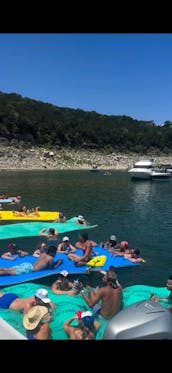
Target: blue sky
113,74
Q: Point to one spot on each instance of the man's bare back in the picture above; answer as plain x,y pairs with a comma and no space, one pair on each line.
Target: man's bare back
111,301
106,300
43,262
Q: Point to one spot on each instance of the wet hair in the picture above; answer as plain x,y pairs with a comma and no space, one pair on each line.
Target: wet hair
51,250
112,243
84,236
52,231
135,252
111,278
170,277
112,269
13,249
64,283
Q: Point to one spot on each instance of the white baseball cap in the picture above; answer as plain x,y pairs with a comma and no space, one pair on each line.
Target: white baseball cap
64,273
81,218
42,295
65,238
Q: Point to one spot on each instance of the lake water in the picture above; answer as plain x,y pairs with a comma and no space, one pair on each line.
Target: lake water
139,212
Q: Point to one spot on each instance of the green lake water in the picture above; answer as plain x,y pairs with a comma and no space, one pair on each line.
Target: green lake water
139,212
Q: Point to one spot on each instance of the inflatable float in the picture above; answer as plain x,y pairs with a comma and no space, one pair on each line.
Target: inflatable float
6,200
42,215
67,306
32,229
97,261
67,264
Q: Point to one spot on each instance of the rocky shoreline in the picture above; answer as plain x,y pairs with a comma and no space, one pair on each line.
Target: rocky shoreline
22,157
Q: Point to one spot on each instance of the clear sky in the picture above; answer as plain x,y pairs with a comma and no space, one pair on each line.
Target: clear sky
114,74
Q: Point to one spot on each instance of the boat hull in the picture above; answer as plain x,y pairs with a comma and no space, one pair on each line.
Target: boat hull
140,175
160,175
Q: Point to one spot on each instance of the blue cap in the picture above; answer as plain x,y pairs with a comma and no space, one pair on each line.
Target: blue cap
88,321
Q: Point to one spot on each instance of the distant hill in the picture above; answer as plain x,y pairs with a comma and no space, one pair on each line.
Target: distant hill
38,123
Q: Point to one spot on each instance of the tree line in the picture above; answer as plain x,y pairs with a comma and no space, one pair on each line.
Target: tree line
39,123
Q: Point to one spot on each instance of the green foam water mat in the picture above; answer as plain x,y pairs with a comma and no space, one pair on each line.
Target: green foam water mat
66,307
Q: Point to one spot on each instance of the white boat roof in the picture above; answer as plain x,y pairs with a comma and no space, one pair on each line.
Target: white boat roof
145,162
8,332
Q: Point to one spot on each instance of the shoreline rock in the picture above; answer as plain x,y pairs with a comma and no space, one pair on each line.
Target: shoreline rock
24,158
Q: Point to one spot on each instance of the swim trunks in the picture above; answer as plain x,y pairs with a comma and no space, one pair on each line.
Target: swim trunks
7,299
97,308
23,268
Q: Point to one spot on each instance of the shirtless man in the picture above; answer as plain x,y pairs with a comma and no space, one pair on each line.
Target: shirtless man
87,251
45,261
86,328
106,300
51,234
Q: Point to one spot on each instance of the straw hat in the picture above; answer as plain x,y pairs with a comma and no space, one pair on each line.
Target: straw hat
34,316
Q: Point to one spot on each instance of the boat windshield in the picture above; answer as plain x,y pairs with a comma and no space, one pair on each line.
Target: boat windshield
143,166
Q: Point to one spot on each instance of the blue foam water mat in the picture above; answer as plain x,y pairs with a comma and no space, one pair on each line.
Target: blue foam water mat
5,200
67,264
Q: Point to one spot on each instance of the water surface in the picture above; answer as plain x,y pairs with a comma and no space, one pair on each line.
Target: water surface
136,211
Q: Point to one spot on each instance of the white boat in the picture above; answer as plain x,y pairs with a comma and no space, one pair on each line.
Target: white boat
8,332
142,169
160,175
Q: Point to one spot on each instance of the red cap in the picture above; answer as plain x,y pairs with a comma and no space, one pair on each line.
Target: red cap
79,314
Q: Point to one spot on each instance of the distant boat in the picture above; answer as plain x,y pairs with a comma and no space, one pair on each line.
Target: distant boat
142,169
94,169
160,175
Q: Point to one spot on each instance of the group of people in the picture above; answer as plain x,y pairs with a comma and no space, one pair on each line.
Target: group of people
25,211
122,249
105,302
46,252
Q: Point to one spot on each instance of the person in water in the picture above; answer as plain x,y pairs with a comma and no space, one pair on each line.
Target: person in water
45,261
61,218
106,300
165,299
51,235
86,329
81,220
14,252
14,302
36,323
65,246
62,286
